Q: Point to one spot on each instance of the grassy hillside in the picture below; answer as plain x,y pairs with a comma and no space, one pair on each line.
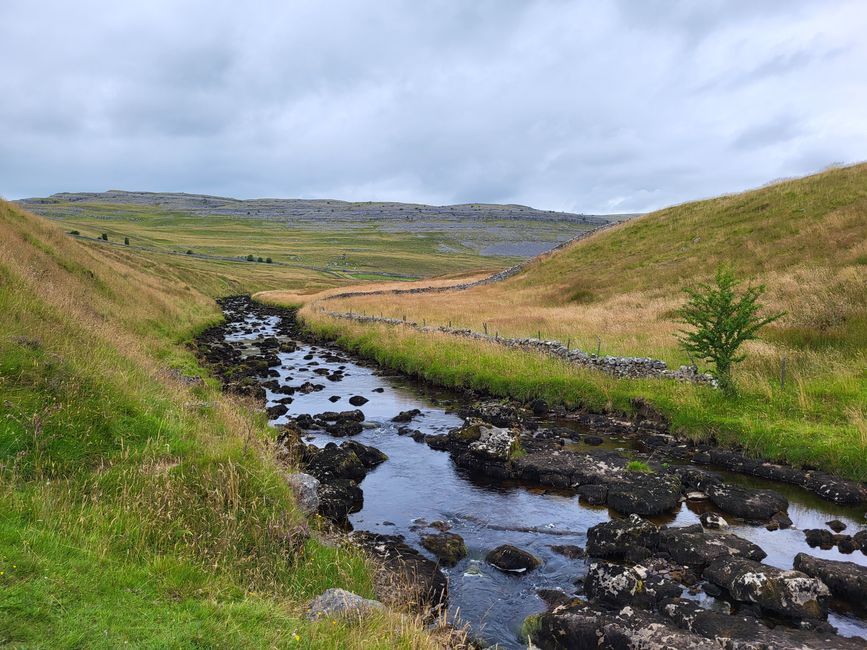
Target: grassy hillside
138,507
805,239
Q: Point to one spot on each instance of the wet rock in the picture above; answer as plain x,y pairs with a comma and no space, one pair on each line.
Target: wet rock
846,580
836,525
512,559
338,603
406,416
694,547
753,505
860,540
644,494
712,521
344,428
789,593
306,489
332,462
440,525
835,489
539,407
619,585
358,400
618,538
342,416
568,550
439,442
276,411
553,597
585,627
494,443
338,498
305,421
819,537
739,632
846,544
369,456
448,547
418,436
427,585
334,398
496,413
594,495
593,441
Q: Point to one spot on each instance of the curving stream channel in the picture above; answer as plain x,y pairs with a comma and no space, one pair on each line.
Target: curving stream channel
419,485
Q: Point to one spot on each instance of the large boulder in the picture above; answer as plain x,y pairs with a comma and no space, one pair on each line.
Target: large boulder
644,494
332,462
622,538
337,603
512,559
339,498
369,456
695,547
306,489
753,505
846,580
615,584
448,547
590,628
789,593
740,632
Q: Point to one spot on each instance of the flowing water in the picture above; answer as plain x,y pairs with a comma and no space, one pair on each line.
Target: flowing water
418,485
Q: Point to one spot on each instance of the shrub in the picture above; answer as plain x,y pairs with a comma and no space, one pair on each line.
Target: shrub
104,236
189,251
722,322
250,258
74,232
126,241
268,260
259,259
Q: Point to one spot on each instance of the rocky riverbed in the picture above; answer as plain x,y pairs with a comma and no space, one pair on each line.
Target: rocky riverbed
572,530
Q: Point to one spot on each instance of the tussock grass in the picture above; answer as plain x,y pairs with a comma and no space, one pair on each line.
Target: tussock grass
136,508
806,240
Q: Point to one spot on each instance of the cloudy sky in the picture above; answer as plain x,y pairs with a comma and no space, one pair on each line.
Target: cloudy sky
570,105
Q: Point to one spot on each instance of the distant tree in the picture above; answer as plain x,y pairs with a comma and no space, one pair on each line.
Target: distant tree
74,232
126,241
722,320
189,251
104,236
250,258
268,260
259,259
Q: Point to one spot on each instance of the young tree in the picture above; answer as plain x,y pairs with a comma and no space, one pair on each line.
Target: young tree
126,241
722,320
104,236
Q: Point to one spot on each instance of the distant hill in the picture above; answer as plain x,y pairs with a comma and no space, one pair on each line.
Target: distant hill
310,209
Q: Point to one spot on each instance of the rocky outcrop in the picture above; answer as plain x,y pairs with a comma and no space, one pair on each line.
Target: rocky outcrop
618,585
695,547
846,580
306,489
788,593
619,539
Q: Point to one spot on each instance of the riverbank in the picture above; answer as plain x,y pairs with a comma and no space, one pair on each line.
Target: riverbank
522,504
139,505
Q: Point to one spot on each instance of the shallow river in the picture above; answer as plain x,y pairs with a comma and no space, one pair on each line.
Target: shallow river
418,485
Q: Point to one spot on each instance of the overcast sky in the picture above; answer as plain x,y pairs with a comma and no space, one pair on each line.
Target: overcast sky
581,106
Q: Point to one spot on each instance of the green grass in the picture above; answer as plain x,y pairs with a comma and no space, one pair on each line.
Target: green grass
805,239
814,422
638,466
136,509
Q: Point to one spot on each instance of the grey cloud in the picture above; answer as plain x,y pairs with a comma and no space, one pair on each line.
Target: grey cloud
559,104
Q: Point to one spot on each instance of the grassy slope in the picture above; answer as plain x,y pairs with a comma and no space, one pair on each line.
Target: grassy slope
134,508
806,239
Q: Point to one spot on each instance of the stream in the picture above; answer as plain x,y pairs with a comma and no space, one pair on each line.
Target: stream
418,485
